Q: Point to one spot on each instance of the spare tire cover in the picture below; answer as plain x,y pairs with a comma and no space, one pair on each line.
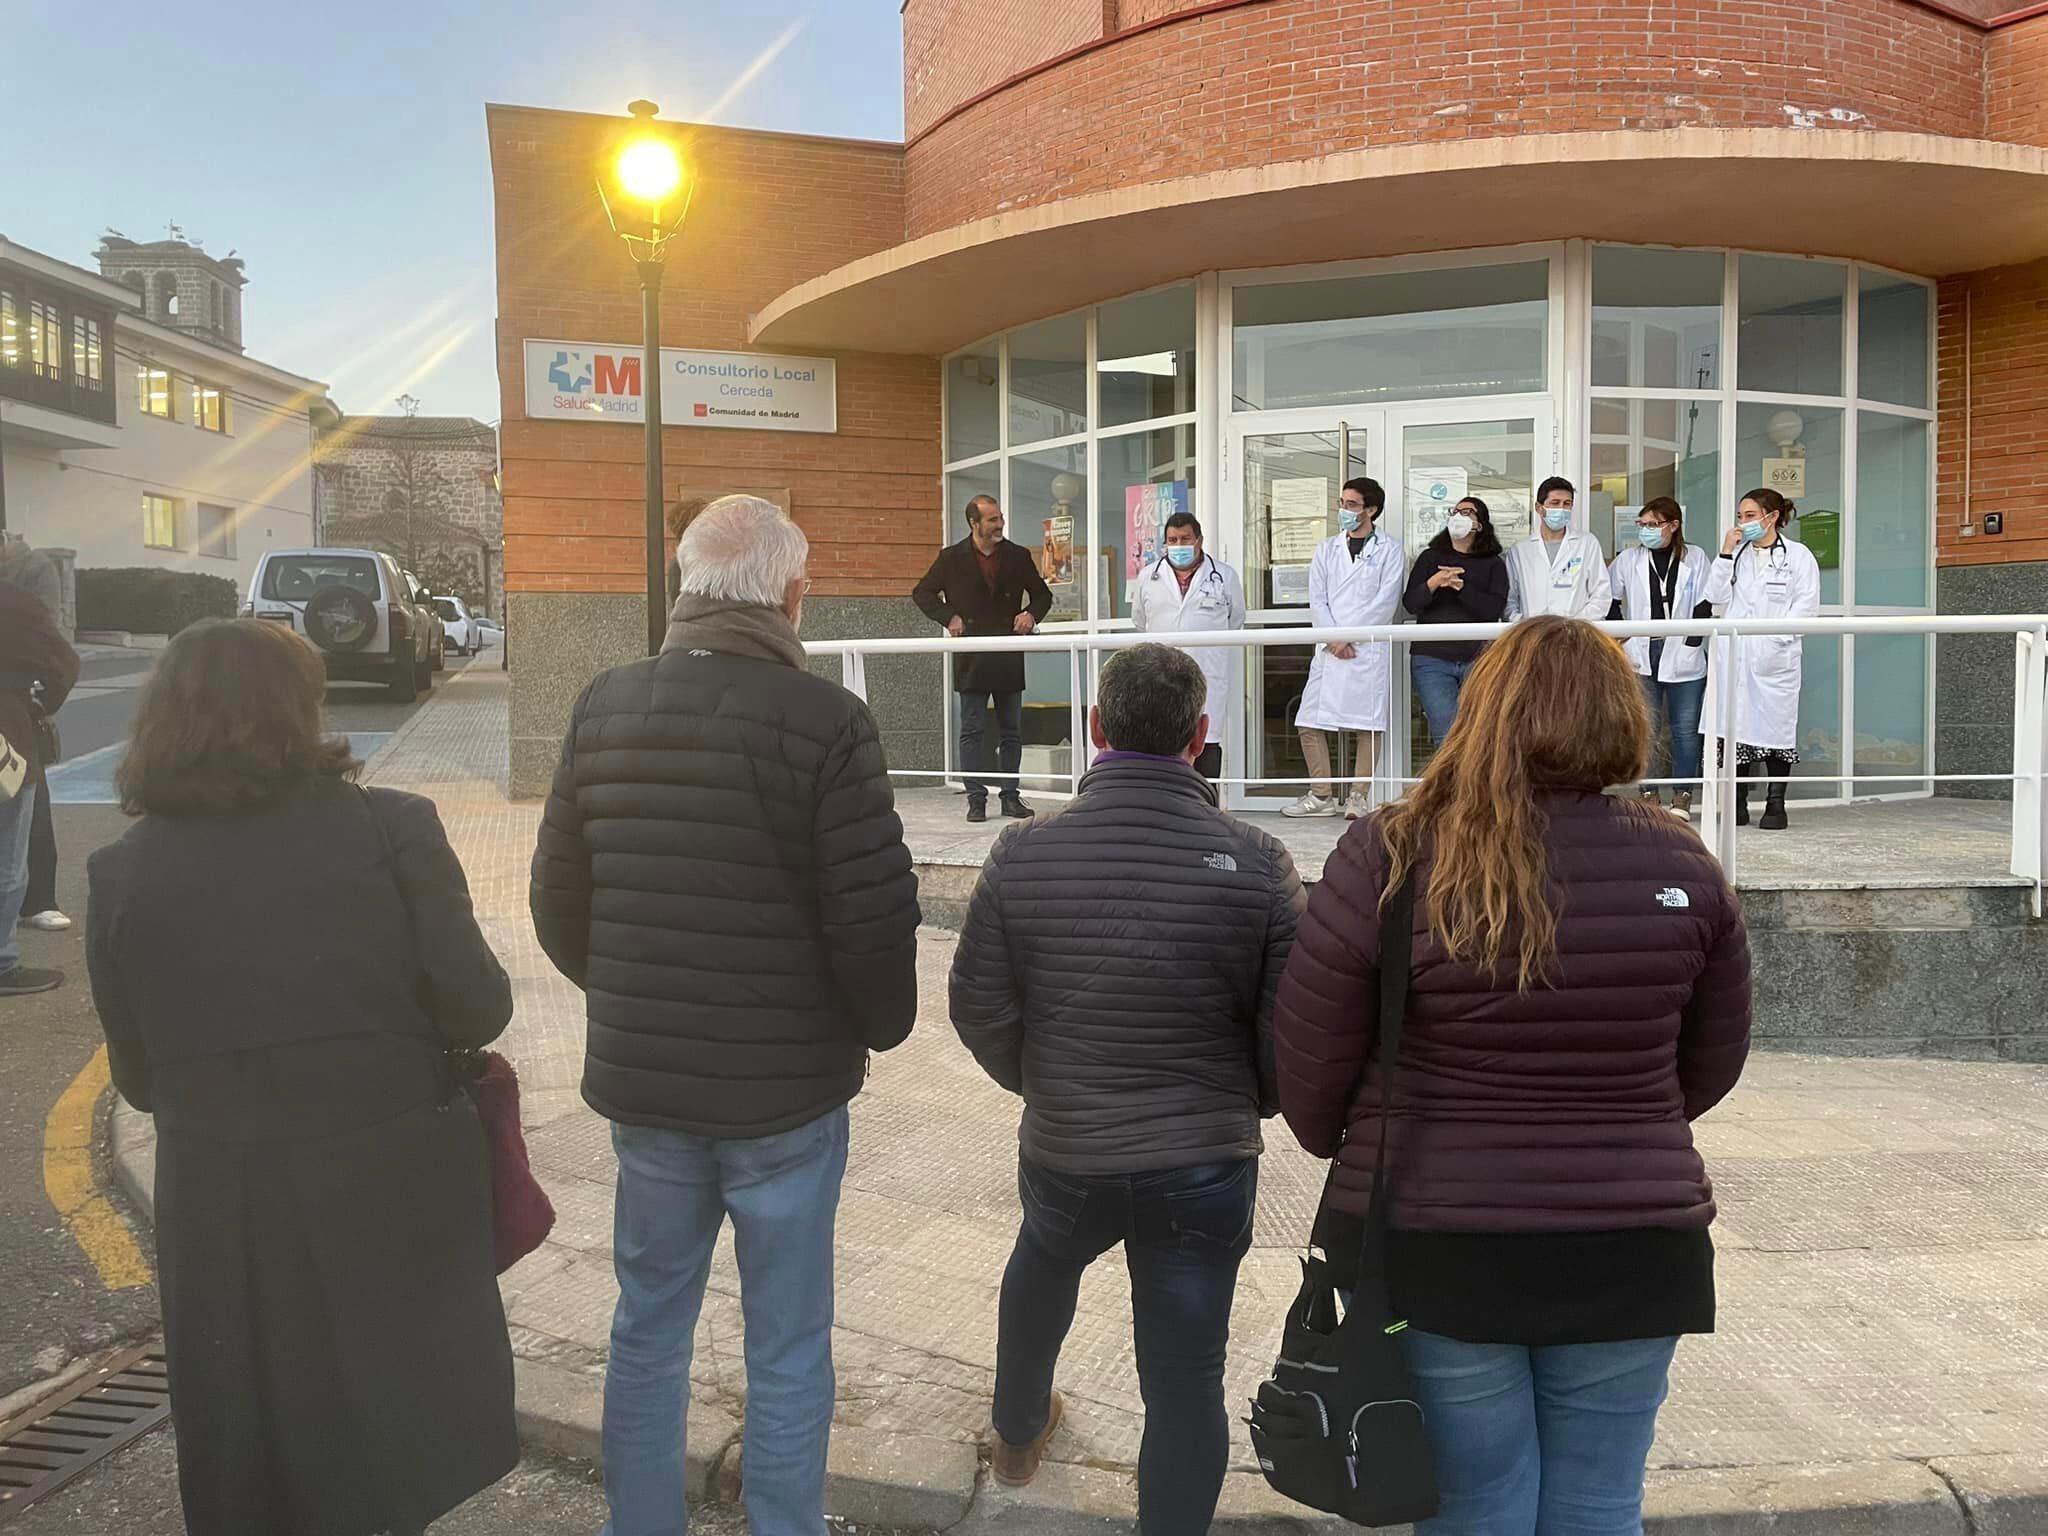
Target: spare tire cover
339,618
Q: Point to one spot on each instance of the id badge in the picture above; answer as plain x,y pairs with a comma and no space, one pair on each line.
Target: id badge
1210,603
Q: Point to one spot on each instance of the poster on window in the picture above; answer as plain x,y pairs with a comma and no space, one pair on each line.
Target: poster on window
1433,489
1146,509
1056,553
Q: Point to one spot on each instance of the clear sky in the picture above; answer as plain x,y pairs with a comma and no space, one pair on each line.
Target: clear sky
339,149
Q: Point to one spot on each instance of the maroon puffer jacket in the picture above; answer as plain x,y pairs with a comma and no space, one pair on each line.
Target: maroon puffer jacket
1566,1109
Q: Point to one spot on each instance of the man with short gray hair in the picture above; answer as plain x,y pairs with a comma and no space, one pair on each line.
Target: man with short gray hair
722,871
1118,968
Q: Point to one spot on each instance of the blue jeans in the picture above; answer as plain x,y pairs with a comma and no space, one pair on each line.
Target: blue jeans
978,752
1437,684
17,820
675,1191
1539,1442
1184,1231
1681,703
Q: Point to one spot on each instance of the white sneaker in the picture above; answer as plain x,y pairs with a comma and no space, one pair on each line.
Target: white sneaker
1312,804
52,921
1356,807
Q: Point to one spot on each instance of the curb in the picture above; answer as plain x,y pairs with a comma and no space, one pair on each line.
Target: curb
875,1477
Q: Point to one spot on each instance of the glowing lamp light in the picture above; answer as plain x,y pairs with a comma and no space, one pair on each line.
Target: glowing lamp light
650,170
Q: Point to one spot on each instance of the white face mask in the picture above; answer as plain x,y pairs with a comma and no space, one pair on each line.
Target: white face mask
1460,525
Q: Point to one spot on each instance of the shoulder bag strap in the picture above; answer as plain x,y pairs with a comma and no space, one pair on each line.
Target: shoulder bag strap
458,1068
1397,943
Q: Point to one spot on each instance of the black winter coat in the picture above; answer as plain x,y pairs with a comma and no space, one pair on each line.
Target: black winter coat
954,587
722,870
281,995
1118,968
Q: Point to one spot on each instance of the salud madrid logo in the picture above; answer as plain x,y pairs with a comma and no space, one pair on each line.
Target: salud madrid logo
571,372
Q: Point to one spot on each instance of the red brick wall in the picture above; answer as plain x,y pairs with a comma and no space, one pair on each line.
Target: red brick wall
1135,13
2018,88
2002,425
773,210
1256,83
955,49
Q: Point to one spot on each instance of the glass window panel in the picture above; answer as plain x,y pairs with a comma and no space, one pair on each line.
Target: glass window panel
973,381
1048,506
10,332
1894,338
1656,318
1146,356
1891,710
159,522
962,486
1610,418
1894,557
1767,437
1049,380
1144,474
1790,341
1391,336
1493,460
1820,719
1674,451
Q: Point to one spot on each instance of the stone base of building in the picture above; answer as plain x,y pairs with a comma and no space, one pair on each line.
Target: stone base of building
559,641
1973,674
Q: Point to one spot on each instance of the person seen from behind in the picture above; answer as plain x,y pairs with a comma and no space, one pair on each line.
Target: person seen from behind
1117,969
34,572
38,669
1580,994
1460,577
722,871
1664,577
323,1195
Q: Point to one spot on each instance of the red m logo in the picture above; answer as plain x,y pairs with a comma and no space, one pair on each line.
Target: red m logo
617,375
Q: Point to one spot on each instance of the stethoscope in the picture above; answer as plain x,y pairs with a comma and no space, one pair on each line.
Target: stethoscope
1212,574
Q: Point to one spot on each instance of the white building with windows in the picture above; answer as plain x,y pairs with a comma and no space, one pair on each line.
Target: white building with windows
133,428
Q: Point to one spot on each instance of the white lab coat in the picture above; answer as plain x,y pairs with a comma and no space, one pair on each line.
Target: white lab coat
1629,584
1575,586
1343,593
1780,582
1214,600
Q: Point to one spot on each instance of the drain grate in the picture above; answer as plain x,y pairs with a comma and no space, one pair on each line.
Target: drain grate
61,1436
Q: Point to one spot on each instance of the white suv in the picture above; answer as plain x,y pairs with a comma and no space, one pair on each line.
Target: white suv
357,608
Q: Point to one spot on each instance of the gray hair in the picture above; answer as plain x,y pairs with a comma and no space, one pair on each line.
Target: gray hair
1151,696
742,549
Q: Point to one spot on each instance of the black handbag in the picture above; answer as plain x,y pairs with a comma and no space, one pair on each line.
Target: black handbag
1337,1425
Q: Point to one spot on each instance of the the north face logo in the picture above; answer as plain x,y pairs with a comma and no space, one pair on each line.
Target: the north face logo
1219,861
1672,896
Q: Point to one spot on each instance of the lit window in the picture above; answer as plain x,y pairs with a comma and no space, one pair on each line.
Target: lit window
10,332
153,390
216,531
45,339
159,521
85,353
209,412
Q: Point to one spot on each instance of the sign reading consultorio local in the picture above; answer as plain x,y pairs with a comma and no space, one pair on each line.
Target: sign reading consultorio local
589,381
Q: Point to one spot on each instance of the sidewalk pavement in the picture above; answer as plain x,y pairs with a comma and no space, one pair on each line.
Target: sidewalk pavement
1881,1364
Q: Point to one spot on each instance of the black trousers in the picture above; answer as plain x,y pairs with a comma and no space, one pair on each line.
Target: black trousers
42,860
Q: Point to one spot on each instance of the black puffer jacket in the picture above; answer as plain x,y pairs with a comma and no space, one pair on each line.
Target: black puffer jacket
722,870
1118,968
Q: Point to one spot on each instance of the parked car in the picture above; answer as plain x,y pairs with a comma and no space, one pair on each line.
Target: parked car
358,609
490,632
423,600
465,632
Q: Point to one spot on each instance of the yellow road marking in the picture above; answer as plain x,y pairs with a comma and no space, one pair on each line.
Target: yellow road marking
68,1180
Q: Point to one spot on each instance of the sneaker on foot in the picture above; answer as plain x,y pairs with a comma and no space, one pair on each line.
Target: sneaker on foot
1015,1465
977,810
1312,804
51,921
25,981
1651,797
1681,805
1356,807
1014,806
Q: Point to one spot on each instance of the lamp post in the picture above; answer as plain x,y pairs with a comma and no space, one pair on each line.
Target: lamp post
648,182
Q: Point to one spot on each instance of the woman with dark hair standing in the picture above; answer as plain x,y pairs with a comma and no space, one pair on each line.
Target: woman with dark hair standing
282,962
1579,994
1459,578
1664,577
1761,575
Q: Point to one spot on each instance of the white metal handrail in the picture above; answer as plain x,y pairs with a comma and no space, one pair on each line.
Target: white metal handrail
2029,776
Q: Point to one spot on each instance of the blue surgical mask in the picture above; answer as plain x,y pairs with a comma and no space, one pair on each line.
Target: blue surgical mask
1750,532
1650,538
1349,518
1557,518
1182,555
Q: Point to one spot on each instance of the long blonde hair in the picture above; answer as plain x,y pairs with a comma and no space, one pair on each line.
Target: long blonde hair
1552,704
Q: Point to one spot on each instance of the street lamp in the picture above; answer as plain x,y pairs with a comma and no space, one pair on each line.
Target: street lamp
646,191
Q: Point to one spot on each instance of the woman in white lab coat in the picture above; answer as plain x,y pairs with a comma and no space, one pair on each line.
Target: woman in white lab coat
1557,569
1189,589
1354,581
1761,574
1664,577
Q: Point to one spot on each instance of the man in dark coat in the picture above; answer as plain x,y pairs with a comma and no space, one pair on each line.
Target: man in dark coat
1118,968
34,572
38,668
722,871
985,585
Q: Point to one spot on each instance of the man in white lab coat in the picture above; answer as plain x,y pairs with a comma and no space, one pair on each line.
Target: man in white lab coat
1189,589
1355,581
1557,569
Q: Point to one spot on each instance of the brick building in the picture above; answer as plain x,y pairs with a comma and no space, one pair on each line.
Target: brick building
423,488
1136,254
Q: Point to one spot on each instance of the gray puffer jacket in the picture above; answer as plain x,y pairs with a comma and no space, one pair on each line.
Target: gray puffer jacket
1118,969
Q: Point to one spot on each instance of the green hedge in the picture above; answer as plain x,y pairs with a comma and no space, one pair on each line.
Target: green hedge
148,601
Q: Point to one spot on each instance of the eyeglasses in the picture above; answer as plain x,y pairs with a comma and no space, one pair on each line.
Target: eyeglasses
808,584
